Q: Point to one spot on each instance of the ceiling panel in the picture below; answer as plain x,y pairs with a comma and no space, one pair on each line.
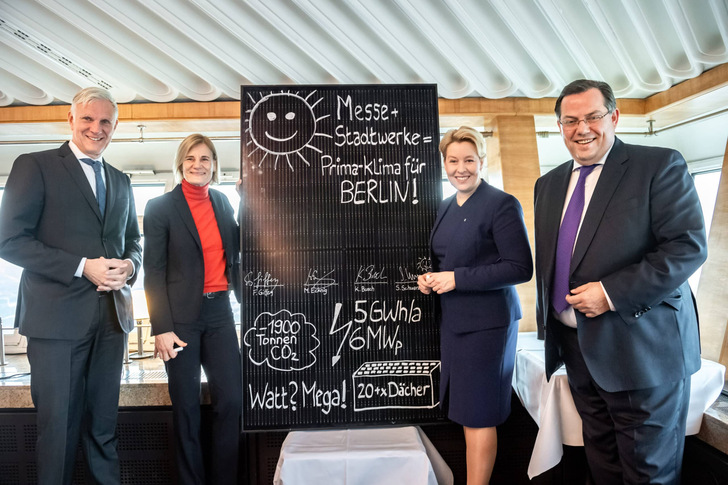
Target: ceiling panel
166,51
203,50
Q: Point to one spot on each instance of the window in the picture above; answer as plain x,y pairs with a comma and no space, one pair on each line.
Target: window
447,189
142,195
9,280
706,183
232,195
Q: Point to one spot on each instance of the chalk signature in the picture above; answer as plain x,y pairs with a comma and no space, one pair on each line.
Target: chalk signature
318,284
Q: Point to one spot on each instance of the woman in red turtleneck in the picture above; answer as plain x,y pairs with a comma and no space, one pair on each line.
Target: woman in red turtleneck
191,262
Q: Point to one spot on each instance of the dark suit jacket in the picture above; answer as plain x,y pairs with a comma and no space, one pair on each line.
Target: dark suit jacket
488,257
49,220
642,237
174,273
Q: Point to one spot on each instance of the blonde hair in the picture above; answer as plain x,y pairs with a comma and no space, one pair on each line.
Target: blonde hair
464,133
184,148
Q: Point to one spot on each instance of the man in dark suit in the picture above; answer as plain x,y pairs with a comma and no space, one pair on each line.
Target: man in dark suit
619,313
72,227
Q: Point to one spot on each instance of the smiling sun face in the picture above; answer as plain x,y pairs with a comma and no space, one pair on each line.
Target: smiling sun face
283,124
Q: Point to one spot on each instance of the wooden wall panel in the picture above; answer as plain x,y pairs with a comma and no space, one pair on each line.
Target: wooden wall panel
513,166
712,289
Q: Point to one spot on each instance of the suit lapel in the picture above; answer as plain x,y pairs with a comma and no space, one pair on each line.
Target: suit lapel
440,214
79,177
614,168
111,188
554,207
473,209
183,209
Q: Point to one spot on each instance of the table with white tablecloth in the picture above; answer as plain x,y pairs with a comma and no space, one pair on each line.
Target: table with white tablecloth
385,456
550,403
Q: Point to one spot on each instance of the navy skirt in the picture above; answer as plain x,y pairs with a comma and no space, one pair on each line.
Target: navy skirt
477,371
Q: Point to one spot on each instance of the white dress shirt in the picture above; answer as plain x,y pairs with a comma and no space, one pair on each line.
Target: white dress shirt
88,170
568,317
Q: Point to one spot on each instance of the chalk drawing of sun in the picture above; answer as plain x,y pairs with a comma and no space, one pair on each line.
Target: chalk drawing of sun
282,125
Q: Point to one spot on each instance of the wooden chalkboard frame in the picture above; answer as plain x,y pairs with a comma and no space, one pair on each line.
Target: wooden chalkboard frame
341,185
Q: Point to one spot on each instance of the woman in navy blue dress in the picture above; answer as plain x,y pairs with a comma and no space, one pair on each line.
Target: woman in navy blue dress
480,250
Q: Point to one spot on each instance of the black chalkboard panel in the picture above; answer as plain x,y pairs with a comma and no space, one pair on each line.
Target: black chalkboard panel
341,186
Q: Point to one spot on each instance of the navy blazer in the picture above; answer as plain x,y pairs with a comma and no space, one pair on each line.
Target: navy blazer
49,221
174,272
488,256
642,236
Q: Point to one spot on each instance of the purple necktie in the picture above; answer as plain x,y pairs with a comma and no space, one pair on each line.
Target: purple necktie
565,245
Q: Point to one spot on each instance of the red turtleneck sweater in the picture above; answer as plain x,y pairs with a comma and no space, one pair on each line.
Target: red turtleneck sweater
213,254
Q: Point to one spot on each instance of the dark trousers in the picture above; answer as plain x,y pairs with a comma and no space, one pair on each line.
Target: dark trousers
213,344
75,389
630,437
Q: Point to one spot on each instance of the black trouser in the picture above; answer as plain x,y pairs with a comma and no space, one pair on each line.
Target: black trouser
75,389
213,344
630,437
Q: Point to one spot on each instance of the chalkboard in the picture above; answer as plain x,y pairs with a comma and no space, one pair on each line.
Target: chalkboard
341,186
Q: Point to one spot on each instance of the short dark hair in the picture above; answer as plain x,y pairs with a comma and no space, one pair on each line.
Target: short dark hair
582,85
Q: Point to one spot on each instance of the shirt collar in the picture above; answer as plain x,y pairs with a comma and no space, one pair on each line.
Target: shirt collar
601,161
79,154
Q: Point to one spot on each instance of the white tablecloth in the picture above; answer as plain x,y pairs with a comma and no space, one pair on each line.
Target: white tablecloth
361,456
550,403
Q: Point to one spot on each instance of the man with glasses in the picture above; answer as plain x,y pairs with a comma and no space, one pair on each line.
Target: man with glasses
618,231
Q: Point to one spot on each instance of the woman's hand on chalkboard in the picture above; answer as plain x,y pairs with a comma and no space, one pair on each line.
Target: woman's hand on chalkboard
423,283
441,282
165,343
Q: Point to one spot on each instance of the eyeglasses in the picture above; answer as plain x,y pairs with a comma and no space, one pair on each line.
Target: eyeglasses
571,124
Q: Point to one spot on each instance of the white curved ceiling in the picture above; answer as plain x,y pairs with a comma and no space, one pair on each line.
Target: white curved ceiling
203,50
